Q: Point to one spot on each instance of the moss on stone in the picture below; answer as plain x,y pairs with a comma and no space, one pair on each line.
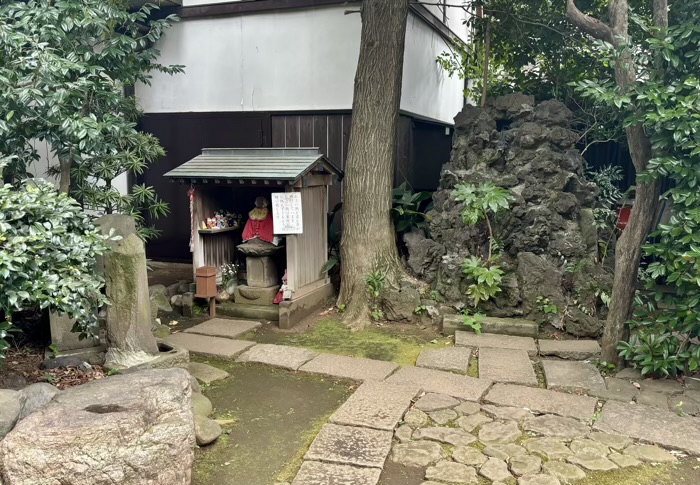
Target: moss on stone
473,370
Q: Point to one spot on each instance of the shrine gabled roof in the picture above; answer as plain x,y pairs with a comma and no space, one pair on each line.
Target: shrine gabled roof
249,164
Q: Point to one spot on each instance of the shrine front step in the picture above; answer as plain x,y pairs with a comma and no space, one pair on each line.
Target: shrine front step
249,295
252,312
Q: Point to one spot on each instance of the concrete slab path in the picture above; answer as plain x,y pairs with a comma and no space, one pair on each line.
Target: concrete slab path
222,327
224,348
506,365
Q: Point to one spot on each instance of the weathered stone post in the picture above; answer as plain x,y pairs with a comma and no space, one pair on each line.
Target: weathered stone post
129,338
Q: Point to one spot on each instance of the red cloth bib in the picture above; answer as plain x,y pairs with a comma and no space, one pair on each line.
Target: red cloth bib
263,230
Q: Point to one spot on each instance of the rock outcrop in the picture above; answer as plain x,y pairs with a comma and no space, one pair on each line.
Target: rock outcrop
132,429
547,238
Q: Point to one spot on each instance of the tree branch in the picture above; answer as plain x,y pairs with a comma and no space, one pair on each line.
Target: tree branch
592,26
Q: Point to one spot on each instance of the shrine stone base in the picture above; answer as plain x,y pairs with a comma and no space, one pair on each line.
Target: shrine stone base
261,271
294,311
255,296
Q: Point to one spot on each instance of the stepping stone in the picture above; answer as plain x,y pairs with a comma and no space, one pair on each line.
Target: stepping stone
624,461
450,359
443,416
403,433
502,433
448,436
375,405
542,401
470,423
629,373
650,425
594,463
218,347
564,472
206,373
658,400
525,465
350,367
430,380
349,445
467,408
570,349
221,327
504,452
652,454
278,356
537,480
416,418
435,402
580,446
495,470
557,426
468,339
571,376
316,473
450,472
667,386
617,390
506,365
467,455
417,453
550,448
506,413
614,441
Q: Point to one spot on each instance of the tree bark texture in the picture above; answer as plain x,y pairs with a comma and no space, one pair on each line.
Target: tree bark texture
368,240
64,181
628,250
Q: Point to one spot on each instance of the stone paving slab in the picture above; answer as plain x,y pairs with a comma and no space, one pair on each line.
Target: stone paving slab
430,380
377,405
316,473
451,359
350,445
506,365
542,401
222,327
469,339
278,355
572,376
350,367
570,349
206,373
617,390
209,346
651,425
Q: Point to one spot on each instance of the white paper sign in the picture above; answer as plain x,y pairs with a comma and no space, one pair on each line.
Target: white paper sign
286,213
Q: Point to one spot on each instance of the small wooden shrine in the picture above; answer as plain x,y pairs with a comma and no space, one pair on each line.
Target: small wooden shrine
264,212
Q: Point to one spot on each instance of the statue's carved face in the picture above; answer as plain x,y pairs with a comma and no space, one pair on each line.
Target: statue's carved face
261,202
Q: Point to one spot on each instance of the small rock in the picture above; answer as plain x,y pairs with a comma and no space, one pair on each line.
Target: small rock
61,361
550,425
495,469
417,453
538,480
403,433
443,416
450,472
467,455
435,402
499,432
504,452
416,418
624,461
222,296
584,446
35,397
614,441
594,463
525,465
467,408
206,430
649,453
188,304
564,472
13,381
195,385
176,301
84,367
10,408
201,405
450,436
206,373
550,448
470,423
506,413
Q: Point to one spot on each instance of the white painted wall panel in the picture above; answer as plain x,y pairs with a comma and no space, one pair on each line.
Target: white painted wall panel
289,61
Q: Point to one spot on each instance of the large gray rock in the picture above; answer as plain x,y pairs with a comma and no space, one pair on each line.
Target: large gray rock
129,338
10,408
400,305
423,255
132,429
159,300
35,397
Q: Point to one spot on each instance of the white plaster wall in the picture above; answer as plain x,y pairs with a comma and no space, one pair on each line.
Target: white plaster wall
289,61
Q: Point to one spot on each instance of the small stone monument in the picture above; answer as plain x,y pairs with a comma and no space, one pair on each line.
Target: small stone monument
129,339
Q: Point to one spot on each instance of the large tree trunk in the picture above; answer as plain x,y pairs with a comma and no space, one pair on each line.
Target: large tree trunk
64,180
628,251
368,241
